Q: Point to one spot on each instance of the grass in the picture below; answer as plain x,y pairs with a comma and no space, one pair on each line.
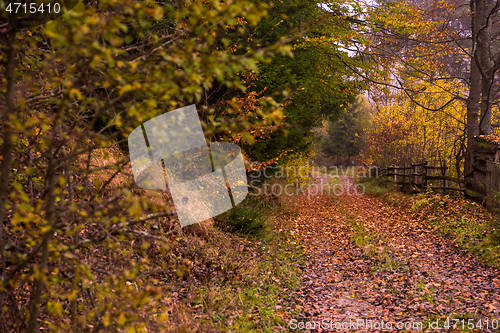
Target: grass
371,243
427,292
247,219
378,187
476,237
465,223
419,203
254,270
257,298
362,237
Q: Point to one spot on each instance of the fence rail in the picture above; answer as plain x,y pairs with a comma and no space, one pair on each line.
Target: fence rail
416,177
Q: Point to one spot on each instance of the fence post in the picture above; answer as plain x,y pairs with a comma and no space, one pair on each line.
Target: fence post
424,177
443,173
411,176
406,179
404,174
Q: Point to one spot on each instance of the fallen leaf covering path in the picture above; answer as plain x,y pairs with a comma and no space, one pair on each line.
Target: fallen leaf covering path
370,263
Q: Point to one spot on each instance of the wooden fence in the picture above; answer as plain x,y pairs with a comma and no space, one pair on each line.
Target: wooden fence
481,185
420,177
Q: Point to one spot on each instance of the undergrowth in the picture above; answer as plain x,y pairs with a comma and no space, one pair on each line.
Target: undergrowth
378,187
254,268
246,219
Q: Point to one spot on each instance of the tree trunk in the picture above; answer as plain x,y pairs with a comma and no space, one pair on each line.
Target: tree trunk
7,130
485,122
472,115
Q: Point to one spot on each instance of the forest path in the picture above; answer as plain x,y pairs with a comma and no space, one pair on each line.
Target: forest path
369,261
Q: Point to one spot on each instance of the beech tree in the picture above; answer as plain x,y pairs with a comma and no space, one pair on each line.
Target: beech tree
419,45
484,66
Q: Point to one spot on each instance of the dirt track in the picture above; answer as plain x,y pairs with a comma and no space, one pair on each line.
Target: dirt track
369,261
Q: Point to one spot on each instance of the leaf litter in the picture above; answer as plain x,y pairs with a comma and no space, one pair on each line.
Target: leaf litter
369,260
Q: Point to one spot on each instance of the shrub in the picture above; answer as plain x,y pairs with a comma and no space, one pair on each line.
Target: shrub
247,219
297,169
81,247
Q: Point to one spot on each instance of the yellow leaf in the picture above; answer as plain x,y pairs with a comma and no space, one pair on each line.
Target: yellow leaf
121,319
97,183
74,93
